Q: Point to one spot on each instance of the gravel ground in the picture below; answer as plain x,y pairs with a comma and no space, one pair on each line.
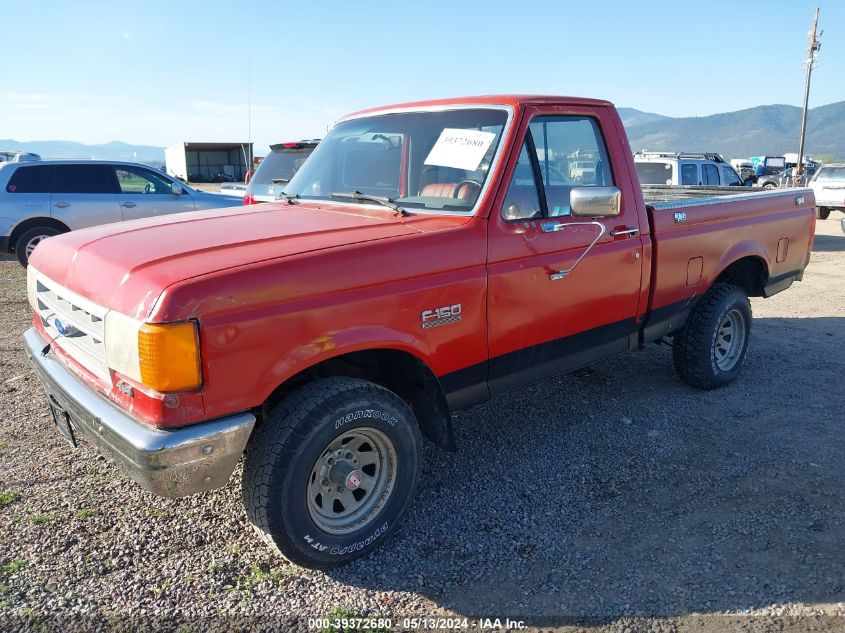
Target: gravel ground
615,499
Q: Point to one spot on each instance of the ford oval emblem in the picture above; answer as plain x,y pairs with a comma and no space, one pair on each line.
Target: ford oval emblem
61,327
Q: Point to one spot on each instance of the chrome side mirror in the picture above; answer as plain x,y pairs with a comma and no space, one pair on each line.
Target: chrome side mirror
595,202
176,189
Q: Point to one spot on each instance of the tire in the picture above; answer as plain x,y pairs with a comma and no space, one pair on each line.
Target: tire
710,350
29,239
822,213
287,471
770,185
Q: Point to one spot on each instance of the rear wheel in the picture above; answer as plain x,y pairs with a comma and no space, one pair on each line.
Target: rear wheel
710,350
29,239
822,213
331,471
770,185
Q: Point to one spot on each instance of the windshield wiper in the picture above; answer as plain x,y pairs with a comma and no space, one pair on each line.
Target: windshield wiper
280,181
287,197
363,197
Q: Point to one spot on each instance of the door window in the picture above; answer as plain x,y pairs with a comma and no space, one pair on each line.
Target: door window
730,177
689,174
566,152
710,174
140,180
83,178
522,201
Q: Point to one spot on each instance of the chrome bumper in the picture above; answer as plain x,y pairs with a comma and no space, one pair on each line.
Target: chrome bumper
168,462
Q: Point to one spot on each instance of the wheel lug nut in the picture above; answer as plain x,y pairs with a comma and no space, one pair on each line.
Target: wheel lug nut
349,456
325,483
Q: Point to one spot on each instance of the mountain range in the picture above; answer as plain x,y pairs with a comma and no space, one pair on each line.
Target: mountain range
115,150
771,130
764,130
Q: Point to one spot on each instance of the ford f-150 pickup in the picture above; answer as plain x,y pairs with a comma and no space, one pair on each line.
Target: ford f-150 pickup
426,257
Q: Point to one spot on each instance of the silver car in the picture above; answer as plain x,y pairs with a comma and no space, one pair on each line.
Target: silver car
45,198
829,186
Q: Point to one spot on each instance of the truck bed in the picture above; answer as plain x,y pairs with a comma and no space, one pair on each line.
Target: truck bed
663,193
763,235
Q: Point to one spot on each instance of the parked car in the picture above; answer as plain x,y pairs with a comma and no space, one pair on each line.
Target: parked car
829,187
784,178
276,170
42,199
767,166
686,168
18,157
424,259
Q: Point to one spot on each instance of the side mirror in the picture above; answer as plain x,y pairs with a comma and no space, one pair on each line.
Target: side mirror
595,202
176,189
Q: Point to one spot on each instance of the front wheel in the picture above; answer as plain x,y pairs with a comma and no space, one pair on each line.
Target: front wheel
822,213
331,471
29,239
709,351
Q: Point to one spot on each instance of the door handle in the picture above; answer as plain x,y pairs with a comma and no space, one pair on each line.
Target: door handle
128,205
629,231
62,205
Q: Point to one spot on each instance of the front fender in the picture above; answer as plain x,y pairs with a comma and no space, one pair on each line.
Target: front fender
340,343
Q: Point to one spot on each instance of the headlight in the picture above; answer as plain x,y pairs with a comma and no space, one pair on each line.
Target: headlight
163,357
32,286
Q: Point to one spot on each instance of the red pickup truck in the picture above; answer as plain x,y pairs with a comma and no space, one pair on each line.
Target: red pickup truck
427,257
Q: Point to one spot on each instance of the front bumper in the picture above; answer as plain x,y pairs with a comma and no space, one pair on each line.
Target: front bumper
168,462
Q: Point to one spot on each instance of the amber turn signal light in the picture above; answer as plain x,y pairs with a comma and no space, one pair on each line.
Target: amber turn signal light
169,356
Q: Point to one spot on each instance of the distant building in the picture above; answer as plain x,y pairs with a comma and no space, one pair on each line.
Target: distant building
208,162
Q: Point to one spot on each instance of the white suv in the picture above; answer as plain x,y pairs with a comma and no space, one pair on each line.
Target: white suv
40,199
686,168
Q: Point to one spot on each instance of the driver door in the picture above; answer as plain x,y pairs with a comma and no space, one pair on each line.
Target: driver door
563,291
144,193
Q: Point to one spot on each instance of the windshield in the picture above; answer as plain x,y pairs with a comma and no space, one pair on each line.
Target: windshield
419,160
277,168
655,173
831,173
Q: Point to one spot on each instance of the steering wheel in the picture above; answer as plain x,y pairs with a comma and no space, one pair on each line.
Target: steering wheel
465,181
147,188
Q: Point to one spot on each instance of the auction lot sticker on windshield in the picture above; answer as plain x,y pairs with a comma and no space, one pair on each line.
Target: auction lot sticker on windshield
461,149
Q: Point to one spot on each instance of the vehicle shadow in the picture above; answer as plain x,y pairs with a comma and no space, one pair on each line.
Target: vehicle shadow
829,243
621,491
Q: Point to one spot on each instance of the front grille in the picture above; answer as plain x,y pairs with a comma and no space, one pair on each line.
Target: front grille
82,320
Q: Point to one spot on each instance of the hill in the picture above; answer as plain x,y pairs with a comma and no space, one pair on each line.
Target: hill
106,151
771,129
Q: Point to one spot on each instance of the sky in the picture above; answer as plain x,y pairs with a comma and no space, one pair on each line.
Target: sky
161,72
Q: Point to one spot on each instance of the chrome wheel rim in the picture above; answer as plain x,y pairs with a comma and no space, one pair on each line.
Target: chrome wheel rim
31,244
352,480
730,340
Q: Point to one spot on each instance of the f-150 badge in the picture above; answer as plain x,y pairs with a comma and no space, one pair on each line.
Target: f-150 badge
440,316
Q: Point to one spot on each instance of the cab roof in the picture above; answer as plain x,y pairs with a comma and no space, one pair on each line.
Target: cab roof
512,100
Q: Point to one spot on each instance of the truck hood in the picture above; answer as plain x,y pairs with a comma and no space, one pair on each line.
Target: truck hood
125,266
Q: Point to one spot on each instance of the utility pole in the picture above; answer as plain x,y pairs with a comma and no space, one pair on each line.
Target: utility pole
813,46
249,112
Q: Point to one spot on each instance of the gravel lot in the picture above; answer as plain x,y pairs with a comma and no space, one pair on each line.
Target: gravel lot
616,499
